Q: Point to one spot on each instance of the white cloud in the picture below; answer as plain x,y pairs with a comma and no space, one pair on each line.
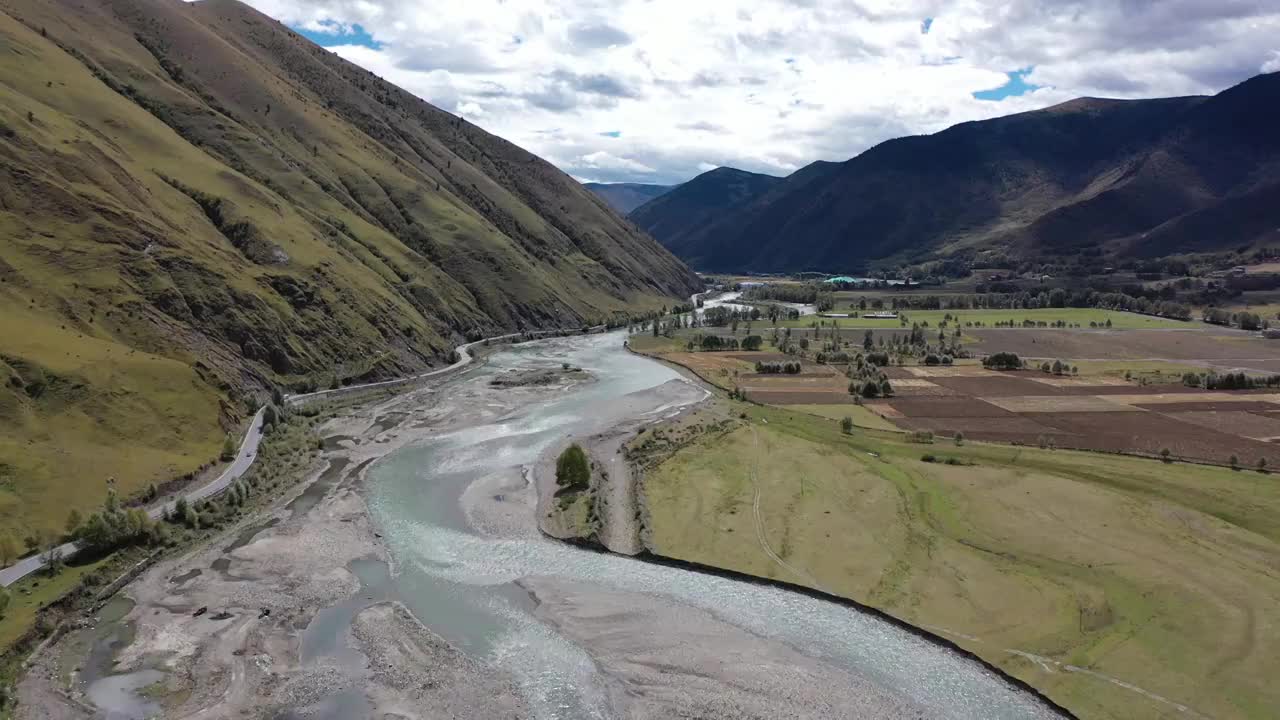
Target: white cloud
601,160
771,85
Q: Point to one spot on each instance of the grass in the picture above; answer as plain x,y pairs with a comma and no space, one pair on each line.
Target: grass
646,343
1157,575
31,593
100,411
862,417
1082,316
574,512
1151,370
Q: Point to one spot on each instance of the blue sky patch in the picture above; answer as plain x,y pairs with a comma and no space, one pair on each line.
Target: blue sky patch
355,35
612,133
1016,85
924,26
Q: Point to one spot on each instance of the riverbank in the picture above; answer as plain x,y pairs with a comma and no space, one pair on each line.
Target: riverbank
512,624
609,512
298,620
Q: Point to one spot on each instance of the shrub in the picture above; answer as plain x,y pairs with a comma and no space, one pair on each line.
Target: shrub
868,389
228,449
1002,361
846,425
923,437
1166,456
752,342
573,470
929,457
959,438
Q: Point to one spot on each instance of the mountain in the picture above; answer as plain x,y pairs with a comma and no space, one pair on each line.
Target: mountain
681,218
1091,176
198,205
625,197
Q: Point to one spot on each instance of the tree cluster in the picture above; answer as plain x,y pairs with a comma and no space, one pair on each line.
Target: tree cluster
789,367
1230,381
1002,361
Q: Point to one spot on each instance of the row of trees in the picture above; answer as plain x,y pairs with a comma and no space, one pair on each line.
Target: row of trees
1246,320
714,343
804,293
1057,367
789,367
1027,300
1230,381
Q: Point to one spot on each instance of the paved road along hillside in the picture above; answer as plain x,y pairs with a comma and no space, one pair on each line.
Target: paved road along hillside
249,451
237,468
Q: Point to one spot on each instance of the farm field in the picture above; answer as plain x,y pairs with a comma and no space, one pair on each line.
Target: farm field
1121,587
1207,346
1113,404
1088,412
861,416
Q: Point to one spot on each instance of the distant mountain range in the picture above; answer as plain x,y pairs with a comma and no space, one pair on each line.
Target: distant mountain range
625,197
1090,176
680,218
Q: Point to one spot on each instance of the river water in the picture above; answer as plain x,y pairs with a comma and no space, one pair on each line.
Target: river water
460,544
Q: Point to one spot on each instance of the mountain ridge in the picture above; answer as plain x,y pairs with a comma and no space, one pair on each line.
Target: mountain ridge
1090,175
680,217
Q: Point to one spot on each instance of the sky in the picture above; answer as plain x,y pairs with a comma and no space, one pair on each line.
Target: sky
657,91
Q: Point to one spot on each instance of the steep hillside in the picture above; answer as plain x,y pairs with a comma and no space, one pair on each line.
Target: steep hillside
197,205
681,218
1145,177
625,197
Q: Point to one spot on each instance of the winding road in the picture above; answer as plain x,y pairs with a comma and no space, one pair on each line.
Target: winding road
249,450
237,468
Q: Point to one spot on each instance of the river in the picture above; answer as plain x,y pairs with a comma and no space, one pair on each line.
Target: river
573,626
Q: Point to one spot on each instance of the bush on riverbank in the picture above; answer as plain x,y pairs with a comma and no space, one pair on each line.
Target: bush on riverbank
573,470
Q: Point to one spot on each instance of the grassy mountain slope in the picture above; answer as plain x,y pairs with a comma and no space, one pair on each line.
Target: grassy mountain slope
197,204
625,197
1147,177
681,218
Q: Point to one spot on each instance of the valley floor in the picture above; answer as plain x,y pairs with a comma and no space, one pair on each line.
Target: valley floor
1120,587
